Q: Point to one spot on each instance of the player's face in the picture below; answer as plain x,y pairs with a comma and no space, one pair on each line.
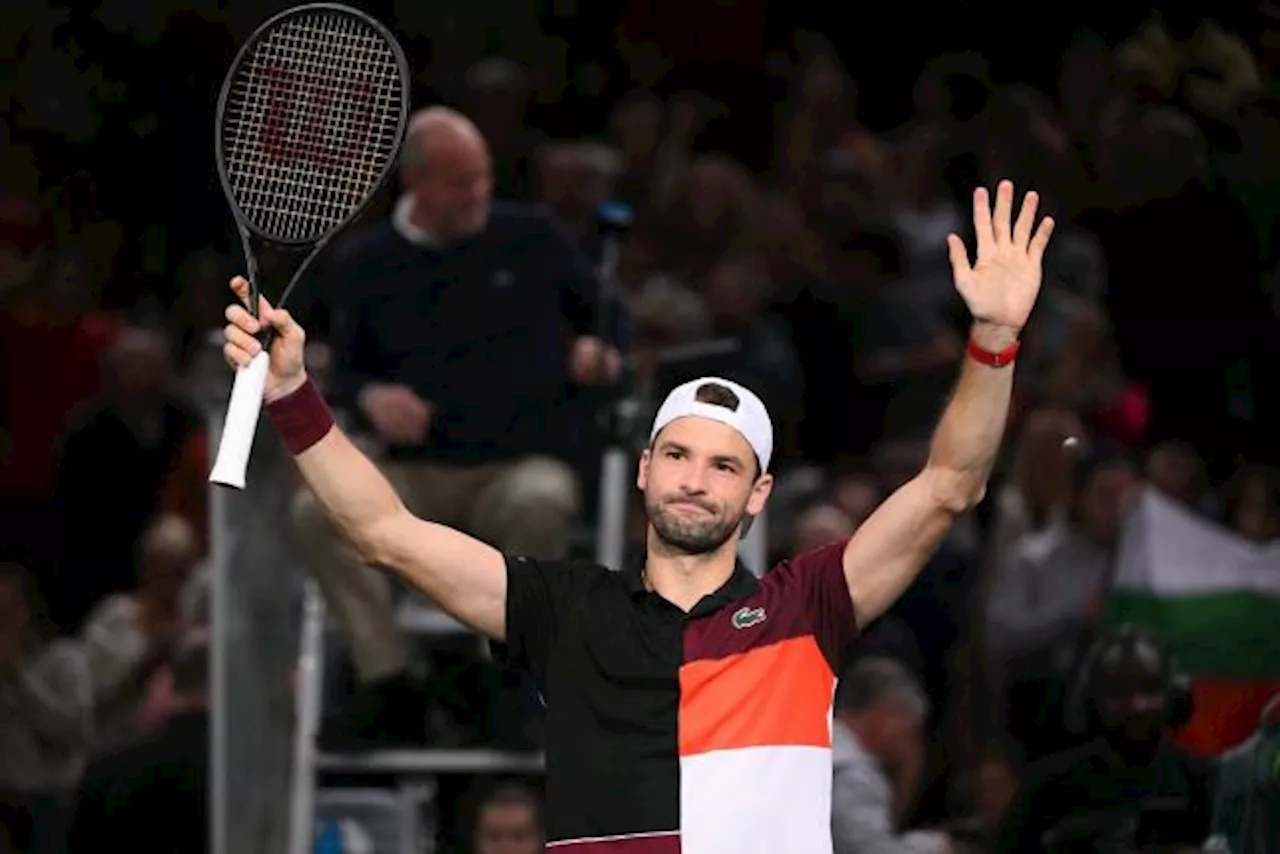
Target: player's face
699,481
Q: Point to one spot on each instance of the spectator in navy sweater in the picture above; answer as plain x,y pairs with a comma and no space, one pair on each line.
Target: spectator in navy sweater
461,328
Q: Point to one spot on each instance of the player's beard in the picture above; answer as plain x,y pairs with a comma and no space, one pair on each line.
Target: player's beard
699,535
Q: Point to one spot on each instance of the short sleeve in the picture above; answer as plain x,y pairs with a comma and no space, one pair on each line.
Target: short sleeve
818,577
539,593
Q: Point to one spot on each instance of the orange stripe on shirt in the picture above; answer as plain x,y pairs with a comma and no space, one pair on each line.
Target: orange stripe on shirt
772,695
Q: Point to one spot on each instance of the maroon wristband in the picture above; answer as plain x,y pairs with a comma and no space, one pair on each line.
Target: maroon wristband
301,418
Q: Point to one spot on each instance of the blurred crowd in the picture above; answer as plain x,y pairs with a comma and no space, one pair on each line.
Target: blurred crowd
1151,364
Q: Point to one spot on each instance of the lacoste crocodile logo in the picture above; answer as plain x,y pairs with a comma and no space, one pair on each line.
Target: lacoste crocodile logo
745,618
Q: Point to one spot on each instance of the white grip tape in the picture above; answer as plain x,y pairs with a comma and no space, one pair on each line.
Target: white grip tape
242,422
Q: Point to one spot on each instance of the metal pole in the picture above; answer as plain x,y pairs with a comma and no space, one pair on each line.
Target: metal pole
617,479
220,547
611,531
613,220
753,549
310,690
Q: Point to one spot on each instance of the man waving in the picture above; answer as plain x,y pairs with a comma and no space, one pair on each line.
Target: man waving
688,702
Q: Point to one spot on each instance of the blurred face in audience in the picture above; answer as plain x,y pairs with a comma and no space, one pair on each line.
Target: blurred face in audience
571,185
141,365
1257,515
825,83
848,192
892,733
734,291
930,95
1133,700
14,617
1269,43
700,479
857,497
169,552
995,787
1083,76
637,124
1103,500
508,829
822,526
714,195
1044,463
1175,471
452,184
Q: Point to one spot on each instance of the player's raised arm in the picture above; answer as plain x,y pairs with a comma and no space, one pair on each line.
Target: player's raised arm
466,577
1000,289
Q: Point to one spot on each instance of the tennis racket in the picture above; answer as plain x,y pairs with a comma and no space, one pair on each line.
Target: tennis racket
310,121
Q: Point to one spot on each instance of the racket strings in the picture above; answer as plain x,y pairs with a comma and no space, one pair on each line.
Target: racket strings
311,122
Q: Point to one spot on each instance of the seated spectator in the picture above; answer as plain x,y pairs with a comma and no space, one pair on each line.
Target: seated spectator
878,754
509,821
1245,808
453,295
667,314
497,97
1037,492
1253,503
130,437
993,786
1048,598
130,636
711,211
636,128
910,342
1177,470
48,317
45,720
1089,378
573,179
1188,55
151,797
737,290
1126,788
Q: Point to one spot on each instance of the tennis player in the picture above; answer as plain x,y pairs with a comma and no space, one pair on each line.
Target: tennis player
688,702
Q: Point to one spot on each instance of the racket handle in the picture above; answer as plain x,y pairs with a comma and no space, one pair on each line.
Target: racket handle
242,422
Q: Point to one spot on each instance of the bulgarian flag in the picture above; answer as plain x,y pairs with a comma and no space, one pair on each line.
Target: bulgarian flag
1215,599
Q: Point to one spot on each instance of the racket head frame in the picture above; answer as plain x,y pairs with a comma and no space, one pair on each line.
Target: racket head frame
249,231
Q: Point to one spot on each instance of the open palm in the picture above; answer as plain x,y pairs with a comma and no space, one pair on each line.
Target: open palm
1000,287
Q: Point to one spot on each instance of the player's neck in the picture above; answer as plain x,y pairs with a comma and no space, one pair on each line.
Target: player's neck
683,579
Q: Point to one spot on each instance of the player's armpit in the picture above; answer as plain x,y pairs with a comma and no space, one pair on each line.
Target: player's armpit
896,541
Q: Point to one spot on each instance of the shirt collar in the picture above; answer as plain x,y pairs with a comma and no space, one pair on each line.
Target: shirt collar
402,222
741,584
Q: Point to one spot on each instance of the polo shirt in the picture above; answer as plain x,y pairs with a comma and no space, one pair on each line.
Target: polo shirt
705,732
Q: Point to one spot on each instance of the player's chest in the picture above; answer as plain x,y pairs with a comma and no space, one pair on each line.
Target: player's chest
728,679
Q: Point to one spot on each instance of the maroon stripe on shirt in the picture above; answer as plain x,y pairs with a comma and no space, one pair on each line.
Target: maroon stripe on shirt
806,595
666,843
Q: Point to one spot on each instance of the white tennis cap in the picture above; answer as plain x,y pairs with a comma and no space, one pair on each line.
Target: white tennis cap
750,418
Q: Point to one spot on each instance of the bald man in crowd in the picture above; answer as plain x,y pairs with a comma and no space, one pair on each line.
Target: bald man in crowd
460,327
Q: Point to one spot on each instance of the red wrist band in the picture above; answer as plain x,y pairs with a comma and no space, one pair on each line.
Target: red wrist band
301,418
993,360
